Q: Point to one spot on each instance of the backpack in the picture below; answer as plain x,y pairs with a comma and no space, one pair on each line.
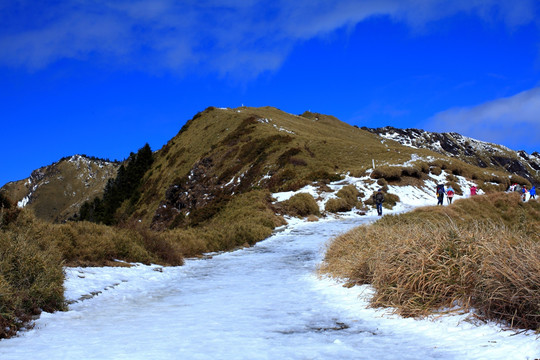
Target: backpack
440,189
379,198
450,193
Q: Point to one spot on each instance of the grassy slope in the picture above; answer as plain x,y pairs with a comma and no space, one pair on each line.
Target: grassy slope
323,144
481,252
65,186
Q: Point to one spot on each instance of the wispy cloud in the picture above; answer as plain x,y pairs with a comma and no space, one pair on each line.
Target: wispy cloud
226,36
514,121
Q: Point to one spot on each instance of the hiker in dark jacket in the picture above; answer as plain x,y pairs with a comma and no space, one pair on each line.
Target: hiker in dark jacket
440,194
378,199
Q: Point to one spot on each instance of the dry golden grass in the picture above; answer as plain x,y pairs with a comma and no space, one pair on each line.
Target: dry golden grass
246,219
348,197
31,280
482,253
302,204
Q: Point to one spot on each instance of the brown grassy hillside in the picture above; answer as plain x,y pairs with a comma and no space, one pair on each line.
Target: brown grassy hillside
221,152
56,192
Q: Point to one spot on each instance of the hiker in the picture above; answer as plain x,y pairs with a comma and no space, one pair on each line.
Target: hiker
440,194
532,193
450,194
378,199
524,193
473,190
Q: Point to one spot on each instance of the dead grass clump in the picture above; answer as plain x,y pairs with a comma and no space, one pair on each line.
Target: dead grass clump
435,170
389,173
31,280
520,180
335,205
348,197
159,245
323,176
280,178
247,219
437,258
509,289
190,241
489,188
412,171
302,204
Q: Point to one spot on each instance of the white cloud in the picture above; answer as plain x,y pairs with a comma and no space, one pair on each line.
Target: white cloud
247,36
513,121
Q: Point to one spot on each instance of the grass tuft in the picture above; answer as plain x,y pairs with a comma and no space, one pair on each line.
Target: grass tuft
302,204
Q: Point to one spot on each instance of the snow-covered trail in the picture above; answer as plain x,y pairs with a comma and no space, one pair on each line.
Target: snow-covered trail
263,302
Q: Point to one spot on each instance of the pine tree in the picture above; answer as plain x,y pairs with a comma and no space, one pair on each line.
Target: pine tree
124,187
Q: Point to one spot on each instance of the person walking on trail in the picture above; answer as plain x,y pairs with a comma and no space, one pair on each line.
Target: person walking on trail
378,199
440,194
450,194
474,189
524,193
532,193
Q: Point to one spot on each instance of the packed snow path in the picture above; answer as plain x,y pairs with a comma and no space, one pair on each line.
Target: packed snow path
263,302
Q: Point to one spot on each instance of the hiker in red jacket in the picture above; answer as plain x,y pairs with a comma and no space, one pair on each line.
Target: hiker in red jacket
473,190
450,194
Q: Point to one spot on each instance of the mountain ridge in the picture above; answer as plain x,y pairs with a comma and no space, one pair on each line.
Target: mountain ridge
55,192
470,150
223,152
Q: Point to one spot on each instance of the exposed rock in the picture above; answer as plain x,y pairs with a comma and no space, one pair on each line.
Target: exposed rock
475,152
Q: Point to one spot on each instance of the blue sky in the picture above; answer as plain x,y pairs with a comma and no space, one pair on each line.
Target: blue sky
102,78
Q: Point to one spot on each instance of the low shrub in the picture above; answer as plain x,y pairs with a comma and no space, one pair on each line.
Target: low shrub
389,173
302,204
390,200
335,205
323,176
412,171
435,170
348,197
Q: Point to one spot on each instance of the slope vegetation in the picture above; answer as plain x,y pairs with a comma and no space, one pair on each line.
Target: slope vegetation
479,253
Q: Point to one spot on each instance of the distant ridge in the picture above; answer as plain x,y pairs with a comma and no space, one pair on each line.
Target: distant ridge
55,192
472,151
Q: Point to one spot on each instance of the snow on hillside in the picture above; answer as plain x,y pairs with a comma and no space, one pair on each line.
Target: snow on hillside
410,196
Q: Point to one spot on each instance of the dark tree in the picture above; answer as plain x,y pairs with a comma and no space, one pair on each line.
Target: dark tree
125,186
